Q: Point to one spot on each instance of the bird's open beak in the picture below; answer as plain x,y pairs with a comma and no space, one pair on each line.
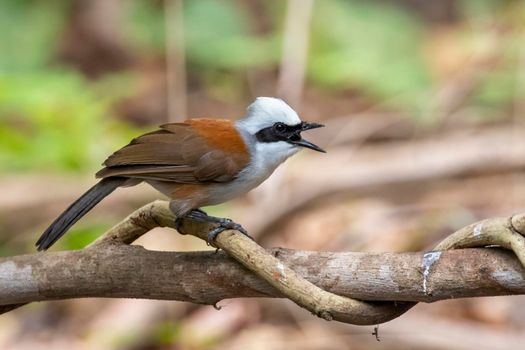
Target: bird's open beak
303,143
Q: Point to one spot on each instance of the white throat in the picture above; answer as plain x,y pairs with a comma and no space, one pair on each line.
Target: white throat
264,159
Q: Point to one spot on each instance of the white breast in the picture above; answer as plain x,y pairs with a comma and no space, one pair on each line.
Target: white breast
266,157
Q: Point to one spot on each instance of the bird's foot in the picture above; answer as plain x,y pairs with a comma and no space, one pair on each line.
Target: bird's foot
225,224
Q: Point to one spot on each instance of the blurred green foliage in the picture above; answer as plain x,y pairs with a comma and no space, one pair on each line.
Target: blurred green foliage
29,31
369,46
166,333
53,117
385,63
218,34
82,235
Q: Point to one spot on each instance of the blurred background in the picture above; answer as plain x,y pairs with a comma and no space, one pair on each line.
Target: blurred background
424,105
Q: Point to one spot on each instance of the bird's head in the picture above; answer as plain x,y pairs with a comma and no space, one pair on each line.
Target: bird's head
276,126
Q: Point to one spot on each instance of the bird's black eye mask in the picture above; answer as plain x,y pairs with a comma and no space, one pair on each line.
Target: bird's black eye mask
279,132
288,133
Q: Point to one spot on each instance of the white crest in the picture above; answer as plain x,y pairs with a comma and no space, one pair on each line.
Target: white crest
265,112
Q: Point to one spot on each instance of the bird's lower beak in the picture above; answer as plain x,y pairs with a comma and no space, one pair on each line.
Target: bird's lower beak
308,144
303,143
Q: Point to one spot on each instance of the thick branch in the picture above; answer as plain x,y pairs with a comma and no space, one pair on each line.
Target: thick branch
123,271
109,268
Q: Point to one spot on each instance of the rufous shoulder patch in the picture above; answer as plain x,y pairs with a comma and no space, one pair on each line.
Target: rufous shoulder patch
220,134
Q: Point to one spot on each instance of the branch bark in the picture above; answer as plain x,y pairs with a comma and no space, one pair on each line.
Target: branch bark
112,268
122,271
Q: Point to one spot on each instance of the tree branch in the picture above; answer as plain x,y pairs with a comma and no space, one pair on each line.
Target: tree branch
112,268
121,271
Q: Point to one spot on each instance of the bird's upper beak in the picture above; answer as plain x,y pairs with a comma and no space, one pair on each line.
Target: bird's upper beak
304,143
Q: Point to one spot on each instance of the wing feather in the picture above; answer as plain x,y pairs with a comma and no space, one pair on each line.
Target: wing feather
175,153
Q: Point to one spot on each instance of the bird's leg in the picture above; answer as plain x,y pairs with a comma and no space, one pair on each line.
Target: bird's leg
178,220
223,224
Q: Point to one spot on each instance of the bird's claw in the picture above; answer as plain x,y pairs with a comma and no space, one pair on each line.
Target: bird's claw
226,224
213,234
223,224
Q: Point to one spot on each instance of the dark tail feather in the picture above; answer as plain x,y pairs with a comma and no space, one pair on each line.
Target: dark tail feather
78,209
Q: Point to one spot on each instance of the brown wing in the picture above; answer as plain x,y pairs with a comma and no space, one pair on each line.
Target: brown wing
195,151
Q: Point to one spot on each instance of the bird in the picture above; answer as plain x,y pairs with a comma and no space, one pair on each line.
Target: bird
197,163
